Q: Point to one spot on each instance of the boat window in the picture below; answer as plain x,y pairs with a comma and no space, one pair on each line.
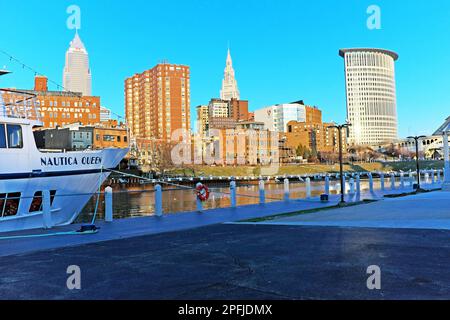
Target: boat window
2,137
9,204
2,203
36,204
15,138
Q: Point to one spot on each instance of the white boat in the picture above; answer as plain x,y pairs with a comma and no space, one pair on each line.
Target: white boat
26,172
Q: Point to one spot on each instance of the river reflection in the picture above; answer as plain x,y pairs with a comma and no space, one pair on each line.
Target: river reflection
138,200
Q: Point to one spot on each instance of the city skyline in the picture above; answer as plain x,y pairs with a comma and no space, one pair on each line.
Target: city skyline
271,68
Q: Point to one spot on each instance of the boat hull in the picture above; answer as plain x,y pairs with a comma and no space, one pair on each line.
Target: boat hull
72,194
72,186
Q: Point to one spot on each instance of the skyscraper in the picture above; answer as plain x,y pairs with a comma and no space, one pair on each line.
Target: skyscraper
276,117
371,95
157,101
76,74
202,119
229,84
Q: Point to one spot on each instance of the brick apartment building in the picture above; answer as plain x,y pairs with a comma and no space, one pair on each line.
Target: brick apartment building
313,133
157,102
59,108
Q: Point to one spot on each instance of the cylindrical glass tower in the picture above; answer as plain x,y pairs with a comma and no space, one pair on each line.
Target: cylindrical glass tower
371,95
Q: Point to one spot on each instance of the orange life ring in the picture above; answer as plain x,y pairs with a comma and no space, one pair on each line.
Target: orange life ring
202,192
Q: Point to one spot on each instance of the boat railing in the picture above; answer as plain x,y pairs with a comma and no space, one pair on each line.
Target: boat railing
19,105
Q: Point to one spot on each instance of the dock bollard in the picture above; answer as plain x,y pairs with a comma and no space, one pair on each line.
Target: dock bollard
286,189
327,185
358,184
392,181
402,180
262,192
358,188
158,201
308,187
382,181
370,183
427,176
352,186
233,194
46,208
344,183
108,204
199,202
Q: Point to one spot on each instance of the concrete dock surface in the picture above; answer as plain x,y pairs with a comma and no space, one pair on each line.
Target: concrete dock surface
319,255
241,262
422,211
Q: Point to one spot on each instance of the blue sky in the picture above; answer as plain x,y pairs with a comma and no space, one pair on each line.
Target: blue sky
282,50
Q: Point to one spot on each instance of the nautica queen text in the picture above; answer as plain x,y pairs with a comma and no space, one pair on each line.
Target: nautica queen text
69,161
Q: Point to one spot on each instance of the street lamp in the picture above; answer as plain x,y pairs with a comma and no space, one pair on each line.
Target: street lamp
416,139
341,169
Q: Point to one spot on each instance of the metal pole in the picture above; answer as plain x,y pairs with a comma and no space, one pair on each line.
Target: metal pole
417,162
341,169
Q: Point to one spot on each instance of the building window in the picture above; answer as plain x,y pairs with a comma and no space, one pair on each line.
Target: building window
109,138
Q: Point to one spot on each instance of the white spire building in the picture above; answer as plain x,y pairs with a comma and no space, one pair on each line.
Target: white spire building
229,84
76,74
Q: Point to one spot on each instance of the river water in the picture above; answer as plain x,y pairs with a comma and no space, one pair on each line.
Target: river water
138,200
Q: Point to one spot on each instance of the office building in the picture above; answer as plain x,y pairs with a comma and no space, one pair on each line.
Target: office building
371,95
276,117
77,74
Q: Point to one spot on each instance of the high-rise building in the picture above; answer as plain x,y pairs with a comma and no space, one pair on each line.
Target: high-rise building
157,101
371,95
219,108
76,74
229,84
202,119
276,117
239,110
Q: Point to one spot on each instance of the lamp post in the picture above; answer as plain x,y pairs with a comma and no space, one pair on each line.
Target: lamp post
341,169
416,139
